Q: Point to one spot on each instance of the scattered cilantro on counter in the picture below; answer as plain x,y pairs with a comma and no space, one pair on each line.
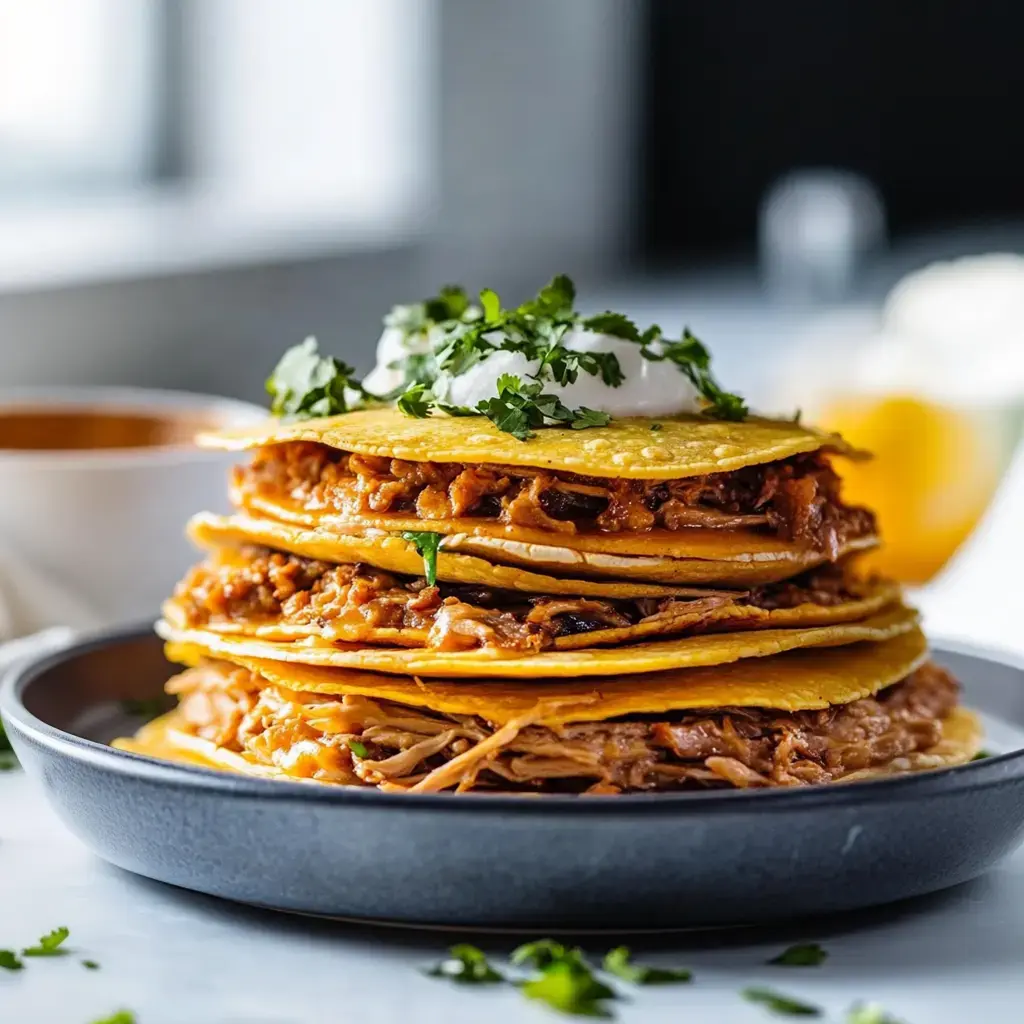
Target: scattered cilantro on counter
466,965
8,760
783,1005
121,1017
426,545
9,960
49,945
617,962
805,954
90,965
868,1013
565,981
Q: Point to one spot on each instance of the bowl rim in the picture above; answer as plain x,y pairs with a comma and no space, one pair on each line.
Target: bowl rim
233,412
992,771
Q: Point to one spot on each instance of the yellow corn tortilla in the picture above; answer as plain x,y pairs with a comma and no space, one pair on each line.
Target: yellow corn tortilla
800,680
166,738
694,556
687,652
394,554
872,596
627,447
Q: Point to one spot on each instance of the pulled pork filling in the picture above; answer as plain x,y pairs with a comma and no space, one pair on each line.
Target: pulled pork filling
256,585
796,499
367,742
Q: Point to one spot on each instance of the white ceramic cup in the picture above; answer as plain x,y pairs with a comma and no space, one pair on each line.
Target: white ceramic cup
92,537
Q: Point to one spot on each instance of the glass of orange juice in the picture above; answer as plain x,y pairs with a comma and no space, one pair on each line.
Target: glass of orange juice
933,388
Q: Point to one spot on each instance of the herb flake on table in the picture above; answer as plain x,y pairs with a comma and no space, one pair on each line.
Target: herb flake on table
466,965
617,961
90,965
567,983
777,1002
426,545
9,960
50,944
8,760
804,954
869,1013
121,1017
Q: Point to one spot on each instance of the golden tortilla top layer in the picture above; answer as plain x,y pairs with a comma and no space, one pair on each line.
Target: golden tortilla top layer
686,652
798,681
628,447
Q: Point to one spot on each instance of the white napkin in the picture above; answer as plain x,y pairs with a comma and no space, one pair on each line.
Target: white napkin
31,600
977,597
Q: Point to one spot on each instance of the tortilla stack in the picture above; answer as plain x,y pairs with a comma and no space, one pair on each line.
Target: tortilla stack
433,605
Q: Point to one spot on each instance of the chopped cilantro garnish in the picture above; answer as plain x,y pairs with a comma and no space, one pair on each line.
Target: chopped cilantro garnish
519,409
616,324
305,384
90,965
426,544
617,962
357,748
541,953
805,954
148,707
121,1017
781,1004
655,426
981,755
868,1013
567,984
9,960
416,401
8,761
49,945
466,965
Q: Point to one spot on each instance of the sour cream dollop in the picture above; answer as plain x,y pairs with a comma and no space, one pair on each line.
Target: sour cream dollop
650,388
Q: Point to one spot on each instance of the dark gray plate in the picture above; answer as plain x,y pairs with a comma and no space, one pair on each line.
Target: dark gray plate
624,862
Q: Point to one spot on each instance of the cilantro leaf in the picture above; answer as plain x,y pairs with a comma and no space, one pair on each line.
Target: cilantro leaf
49,945
9,960
450,303
981,755
466,965
148,707
121,1017
568,984
417,401
539,953
694,360
305,384
783,1005
490,303
554,301
357,748
90,965
618,325
805,954
617,962
584,418
868,1013
426,545
8,761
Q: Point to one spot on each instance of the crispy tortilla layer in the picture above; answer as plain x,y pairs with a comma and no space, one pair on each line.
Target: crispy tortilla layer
236,719
800,680
677,653
397,555
271,595
793,503
626,447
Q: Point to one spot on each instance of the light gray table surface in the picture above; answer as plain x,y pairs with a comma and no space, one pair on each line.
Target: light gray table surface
173,957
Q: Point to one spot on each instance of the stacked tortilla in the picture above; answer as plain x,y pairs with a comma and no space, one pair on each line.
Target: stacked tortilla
431,604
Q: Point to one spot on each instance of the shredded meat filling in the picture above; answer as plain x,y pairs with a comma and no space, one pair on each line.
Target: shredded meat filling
797,498
359,741
259,586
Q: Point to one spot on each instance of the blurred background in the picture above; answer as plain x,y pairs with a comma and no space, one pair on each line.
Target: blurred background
189,186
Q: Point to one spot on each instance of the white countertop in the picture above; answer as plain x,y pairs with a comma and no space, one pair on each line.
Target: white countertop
176,958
